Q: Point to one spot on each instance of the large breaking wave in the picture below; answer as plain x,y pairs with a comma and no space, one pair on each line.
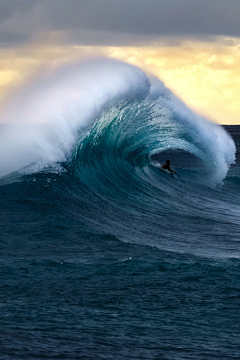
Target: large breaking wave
47,118
109,126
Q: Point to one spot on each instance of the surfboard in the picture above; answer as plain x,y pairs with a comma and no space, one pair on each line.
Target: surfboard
158,166
167,172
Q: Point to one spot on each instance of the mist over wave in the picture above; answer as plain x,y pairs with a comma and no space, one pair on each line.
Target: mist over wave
46,119
55,108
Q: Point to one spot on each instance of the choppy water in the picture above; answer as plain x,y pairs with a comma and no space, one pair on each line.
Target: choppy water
103,256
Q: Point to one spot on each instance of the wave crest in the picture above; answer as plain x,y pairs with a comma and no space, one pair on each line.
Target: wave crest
148,120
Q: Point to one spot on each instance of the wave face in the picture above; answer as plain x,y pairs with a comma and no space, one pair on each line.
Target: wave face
100,247
119,159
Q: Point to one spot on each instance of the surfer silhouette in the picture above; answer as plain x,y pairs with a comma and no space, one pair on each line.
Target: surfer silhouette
167,167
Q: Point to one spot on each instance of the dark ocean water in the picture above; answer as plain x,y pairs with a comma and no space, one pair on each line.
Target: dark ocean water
103,256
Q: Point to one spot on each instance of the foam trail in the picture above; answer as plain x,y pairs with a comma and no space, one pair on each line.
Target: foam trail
54,108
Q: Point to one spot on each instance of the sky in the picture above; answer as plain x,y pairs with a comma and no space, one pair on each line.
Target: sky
193,46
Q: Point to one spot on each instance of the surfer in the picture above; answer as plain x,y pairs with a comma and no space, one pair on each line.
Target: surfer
167,167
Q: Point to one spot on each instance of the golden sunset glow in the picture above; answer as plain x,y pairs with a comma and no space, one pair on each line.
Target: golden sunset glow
206,75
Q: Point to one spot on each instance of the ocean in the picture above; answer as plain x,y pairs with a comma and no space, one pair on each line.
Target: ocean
102,255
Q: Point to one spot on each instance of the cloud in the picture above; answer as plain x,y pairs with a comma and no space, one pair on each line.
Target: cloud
9,7
152,17
123,21
11,38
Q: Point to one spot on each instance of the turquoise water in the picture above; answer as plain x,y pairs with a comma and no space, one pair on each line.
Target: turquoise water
103,256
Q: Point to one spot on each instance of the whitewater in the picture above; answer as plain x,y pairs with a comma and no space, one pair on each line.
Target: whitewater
102,254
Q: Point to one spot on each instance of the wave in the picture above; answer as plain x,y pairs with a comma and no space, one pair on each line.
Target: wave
48,116
108,126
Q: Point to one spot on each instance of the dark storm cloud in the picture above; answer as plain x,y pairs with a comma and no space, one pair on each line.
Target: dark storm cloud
88,20
150,17
10,7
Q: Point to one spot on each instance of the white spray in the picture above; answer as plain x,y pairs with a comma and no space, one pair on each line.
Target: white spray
44,119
